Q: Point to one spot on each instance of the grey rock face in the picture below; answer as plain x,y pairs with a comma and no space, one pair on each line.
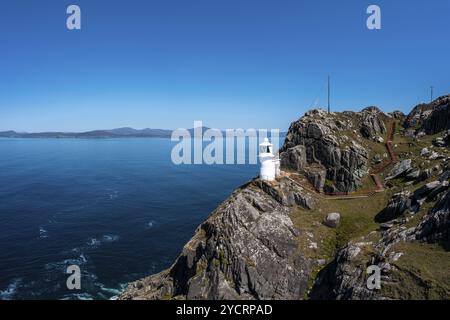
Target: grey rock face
417,116
412,201
294,158
288,194
444,176
343,279
317,177
397,205
434,155
400,169
439,142
398,115
431,118
413,175
443,186
372,124
346,277
447,138
426,174
430,190
439,119
424,152
317,142
247,249
436,225
332,220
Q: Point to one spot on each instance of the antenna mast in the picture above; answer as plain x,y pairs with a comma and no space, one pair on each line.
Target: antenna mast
431,93
328,94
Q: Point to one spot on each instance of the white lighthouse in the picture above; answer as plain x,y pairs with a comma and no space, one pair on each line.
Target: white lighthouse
270,165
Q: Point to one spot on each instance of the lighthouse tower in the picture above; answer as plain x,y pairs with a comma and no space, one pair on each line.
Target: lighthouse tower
269,162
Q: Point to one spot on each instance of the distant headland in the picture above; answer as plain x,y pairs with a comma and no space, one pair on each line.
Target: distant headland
125,132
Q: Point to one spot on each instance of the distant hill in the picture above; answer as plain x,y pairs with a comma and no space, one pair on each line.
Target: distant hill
125,132
114,133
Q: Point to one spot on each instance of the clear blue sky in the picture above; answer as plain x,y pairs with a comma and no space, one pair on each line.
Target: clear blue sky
230,63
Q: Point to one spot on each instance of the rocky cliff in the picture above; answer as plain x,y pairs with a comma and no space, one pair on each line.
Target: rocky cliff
246,249
333,149
288,240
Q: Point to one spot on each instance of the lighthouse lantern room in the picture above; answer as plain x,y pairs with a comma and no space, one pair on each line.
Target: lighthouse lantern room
269,163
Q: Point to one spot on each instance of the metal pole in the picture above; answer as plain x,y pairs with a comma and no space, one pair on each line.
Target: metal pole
328,94
431,93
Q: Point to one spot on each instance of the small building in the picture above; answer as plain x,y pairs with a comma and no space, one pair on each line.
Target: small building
270,164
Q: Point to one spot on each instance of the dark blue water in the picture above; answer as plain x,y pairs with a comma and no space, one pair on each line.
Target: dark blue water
118,208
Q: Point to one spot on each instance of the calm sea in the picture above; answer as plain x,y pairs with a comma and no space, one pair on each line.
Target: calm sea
118,208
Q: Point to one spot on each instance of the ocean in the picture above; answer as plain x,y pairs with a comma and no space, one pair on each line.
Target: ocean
117,208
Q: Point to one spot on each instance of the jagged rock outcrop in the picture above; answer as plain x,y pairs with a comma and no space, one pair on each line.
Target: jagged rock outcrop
400,169
411,201
332,143
247,249
413,175
288,194
447,139
317,175
431,118
344,278
294,158
436,226
417,115
397,205
445,175
397,115
439,119
372,124
440,142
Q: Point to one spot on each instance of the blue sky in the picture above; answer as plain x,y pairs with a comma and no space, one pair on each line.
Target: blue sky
229,63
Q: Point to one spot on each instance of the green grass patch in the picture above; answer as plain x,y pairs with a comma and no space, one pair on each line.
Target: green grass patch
357,220
421,273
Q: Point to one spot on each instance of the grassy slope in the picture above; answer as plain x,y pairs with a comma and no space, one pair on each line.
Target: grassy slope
429,262
422,272
357,219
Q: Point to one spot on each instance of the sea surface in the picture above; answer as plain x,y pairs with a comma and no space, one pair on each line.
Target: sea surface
117,208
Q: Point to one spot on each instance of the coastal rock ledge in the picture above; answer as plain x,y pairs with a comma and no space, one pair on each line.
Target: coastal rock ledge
246,249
